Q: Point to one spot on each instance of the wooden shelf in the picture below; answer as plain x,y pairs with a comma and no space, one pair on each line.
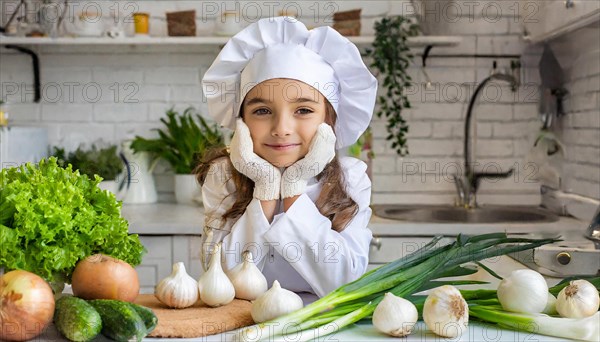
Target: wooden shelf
419,41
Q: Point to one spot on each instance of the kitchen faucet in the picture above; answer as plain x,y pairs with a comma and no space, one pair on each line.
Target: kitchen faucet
467,186
593,230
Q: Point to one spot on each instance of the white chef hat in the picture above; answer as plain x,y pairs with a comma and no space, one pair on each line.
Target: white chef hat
282,47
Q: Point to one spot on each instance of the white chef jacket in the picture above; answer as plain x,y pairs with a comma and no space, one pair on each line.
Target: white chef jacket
299,248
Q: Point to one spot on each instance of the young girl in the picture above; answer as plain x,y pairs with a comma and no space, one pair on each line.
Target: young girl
293,96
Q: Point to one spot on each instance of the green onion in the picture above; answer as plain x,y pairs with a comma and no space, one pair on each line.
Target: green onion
586,329
403,277
485,307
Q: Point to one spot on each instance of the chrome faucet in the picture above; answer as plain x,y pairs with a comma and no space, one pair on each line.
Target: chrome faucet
460,190
593,231
467,186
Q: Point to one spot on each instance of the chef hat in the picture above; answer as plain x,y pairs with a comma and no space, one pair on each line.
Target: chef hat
282,47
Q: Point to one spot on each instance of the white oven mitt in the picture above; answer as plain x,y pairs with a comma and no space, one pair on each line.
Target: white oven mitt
266,177
320,153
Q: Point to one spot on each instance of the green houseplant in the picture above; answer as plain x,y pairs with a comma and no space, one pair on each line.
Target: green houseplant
182,143
104,162
391,57
363,150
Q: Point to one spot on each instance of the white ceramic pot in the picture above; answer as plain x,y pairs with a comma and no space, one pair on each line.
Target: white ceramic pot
110,185
435,17
187,190
141,188
113,186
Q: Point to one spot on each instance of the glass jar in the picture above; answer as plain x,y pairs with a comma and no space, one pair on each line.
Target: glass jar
229,24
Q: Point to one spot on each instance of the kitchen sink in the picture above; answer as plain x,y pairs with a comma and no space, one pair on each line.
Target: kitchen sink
447,214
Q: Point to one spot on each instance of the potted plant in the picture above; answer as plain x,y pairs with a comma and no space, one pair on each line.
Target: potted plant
104,162
182,143
391,57
363,149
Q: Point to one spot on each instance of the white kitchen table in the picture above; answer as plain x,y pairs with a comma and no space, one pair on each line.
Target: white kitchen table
477,332
184,219
364,330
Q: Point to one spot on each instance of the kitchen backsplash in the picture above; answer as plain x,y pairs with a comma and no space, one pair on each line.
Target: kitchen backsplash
116,92
579,55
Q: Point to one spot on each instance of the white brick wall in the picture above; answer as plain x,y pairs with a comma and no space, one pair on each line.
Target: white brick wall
506,122
138,84
579,53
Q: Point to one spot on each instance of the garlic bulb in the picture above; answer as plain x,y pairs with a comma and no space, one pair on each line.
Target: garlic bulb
215,287
523,291
395,316
446,312
276,302
579,299
178,290
550,308
247,279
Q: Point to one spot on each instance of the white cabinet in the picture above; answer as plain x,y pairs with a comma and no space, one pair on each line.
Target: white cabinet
163,252
546,19
170,233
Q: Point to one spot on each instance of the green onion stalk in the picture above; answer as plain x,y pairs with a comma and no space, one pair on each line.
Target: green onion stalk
403,277
585,329
484,306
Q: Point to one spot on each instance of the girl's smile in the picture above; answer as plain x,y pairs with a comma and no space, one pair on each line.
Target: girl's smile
282,116
283,147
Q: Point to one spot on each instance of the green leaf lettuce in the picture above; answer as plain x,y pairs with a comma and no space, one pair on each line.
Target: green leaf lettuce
52,217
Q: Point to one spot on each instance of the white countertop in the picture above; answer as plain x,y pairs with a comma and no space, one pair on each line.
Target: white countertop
362,332
170,218
177,219
164,219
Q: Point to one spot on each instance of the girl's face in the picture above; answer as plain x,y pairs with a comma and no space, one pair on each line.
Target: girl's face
283,116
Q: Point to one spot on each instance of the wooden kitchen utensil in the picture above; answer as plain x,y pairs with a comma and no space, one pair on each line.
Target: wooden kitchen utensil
198,320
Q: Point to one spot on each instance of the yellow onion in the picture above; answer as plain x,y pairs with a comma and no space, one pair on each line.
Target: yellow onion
103,277
27,305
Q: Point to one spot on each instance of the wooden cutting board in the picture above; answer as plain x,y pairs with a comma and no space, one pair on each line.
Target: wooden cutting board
198,320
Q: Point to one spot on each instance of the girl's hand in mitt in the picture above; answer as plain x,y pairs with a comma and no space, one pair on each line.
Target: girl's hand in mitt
320,153
266,177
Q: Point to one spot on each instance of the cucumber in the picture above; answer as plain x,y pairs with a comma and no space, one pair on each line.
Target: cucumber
76,320
120,322
147,315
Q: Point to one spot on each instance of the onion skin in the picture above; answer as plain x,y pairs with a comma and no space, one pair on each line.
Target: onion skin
26,305
103,277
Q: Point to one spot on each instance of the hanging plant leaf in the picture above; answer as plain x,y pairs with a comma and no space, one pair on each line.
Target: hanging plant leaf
391,57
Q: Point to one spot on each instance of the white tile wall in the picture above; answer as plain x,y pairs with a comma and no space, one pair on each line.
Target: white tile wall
579,129
116,93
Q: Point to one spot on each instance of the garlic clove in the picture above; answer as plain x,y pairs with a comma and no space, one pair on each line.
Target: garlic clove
524,291
446,312
395,316
274,303
214,286
178,290
248,281
579,299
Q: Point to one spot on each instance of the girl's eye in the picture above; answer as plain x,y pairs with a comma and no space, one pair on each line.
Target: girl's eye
261,111
305,111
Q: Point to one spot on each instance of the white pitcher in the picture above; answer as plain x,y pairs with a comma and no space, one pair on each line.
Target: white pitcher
138,178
